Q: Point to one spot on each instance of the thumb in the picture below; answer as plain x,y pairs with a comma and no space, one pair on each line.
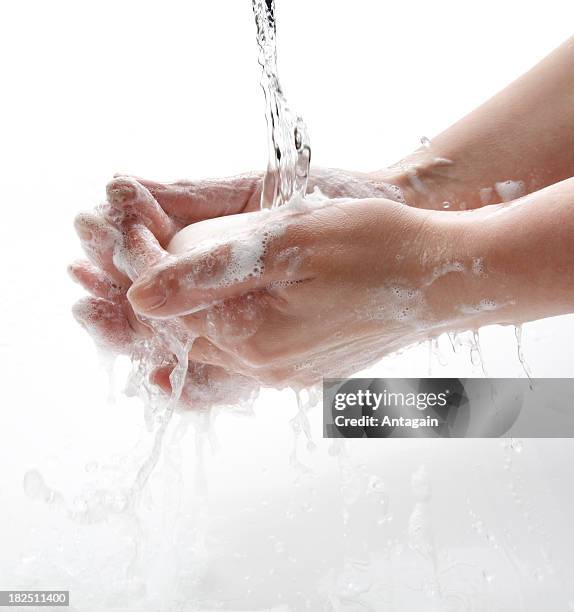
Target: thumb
207,274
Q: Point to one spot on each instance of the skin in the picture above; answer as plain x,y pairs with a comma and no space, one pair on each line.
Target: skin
127,234
401,275
373,275
524,133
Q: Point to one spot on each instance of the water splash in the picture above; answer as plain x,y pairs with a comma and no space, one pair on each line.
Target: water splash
289,147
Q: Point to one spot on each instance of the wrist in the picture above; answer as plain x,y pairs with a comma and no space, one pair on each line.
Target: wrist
430,181
460,292
482,276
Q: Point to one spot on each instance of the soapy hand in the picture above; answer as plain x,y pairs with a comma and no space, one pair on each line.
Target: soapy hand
165,208
139,217
325,287
295,294
316,290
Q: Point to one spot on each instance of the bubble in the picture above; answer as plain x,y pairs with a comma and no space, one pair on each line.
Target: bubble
510,190
485,195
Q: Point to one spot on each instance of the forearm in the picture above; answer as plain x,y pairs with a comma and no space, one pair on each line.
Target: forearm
516,261
524,134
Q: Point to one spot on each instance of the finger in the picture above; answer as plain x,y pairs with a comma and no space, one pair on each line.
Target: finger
197,374
129,199
136,250
231,321
94,280
190,282
205,351
189,202
98,240
100,285
106,322
198,322
139,327
206,274
207,385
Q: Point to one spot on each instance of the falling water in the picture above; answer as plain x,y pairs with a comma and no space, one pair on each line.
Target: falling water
289,148
520,352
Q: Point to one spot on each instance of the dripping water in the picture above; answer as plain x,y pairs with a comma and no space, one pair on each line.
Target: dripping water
520,352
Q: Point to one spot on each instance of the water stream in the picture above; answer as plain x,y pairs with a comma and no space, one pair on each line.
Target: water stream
289,147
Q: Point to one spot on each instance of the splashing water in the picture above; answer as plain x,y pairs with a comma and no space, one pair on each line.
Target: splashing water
289,148
98,506
285,180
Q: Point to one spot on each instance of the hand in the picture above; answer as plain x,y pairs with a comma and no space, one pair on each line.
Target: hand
119,246
291,295
164,208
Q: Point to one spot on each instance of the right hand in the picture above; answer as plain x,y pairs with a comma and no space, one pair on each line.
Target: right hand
112,241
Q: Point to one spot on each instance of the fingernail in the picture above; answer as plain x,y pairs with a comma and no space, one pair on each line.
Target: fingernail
120,191
147,296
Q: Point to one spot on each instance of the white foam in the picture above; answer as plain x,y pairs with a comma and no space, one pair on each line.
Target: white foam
447,268
510,190
485,305
486,195
478,266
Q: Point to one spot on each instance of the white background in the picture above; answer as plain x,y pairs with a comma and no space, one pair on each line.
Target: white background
170,90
